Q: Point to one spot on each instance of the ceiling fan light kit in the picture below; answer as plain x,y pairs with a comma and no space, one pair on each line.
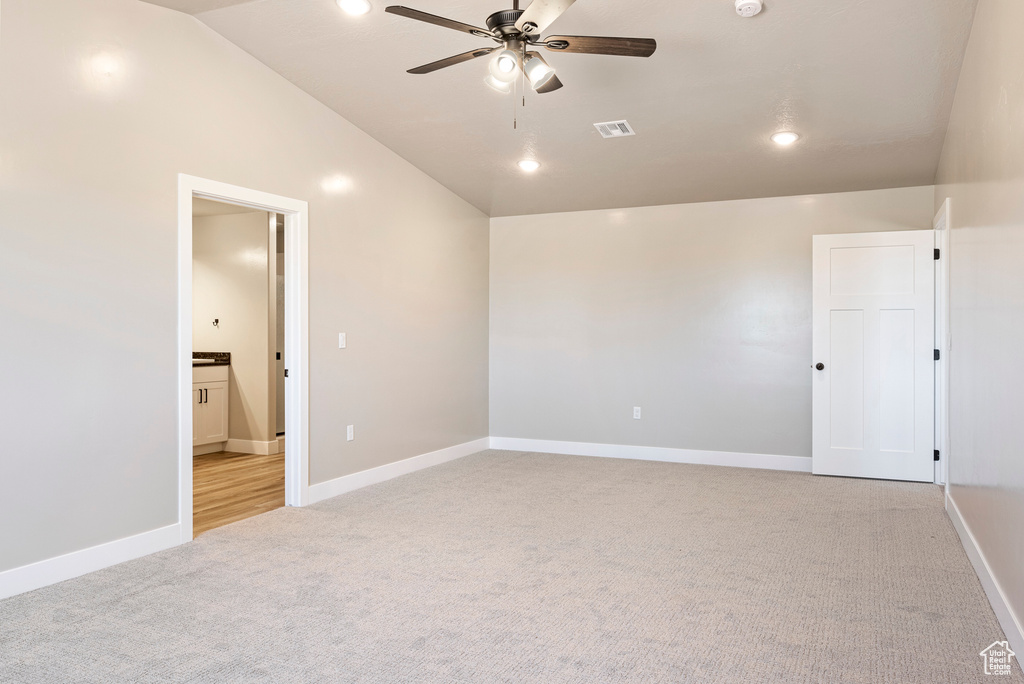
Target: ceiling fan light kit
537,70
504,67
515,31
500,86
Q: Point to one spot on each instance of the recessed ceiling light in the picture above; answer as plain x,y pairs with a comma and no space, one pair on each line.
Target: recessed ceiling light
529,165
785,138
355,7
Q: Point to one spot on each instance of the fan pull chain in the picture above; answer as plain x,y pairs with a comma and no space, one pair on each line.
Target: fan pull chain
515,103
522,76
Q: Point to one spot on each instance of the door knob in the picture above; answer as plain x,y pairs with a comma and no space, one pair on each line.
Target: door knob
820,366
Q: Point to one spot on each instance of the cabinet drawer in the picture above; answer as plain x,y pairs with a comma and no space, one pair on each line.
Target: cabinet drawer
210,373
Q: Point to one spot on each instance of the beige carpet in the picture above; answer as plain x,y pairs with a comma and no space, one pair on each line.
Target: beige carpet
513,567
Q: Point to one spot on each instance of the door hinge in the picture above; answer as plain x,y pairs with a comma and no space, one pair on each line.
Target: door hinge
936,354
286,372
936,454
936,255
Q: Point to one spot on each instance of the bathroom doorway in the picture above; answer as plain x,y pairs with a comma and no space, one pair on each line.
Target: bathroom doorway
237,348
242,303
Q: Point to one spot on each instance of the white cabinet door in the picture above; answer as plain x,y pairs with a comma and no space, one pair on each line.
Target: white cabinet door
873,341
211,419
216,409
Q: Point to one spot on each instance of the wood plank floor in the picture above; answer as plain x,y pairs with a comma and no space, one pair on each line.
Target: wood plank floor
227,487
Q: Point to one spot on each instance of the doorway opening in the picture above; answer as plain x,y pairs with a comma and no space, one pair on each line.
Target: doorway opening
242,353
237,442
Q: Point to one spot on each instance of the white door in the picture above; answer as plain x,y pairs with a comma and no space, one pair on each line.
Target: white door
873,366
280,344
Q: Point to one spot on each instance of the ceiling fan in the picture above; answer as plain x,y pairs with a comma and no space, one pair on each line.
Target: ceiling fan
516,31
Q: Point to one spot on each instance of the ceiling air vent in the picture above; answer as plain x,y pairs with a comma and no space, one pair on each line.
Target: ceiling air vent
614,129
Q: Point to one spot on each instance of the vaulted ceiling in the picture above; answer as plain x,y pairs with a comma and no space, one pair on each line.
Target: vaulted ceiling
868,84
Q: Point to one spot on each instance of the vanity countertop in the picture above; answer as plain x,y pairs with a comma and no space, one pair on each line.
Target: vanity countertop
211,359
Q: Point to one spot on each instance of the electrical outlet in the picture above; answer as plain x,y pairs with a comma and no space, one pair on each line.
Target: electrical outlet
351,433
342,341
636,413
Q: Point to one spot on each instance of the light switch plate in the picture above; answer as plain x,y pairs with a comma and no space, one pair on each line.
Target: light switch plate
342,341
351,432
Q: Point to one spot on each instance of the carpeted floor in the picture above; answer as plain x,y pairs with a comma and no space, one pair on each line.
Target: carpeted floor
514,567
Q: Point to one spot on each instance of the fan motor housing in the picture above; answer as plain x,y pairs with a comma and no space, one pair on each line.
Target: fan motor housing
504,21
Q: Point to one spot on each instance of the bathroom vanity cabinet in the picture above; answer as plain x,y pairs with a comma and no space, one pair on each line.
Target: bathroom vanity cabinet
209,404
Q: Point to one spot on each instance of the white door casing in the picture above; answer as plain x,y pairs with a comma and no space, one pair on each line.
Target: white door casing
943,343
296,238
873,336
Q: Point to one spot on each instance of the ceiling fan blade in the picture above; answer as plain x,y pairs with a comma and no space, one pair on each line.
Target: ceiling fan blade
438,21
599,45
540,14
454,59
552,84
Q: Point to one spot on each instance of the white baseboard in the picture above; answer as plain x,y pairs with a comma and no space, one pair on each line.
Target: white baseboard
365,478
207,449
721,458
53,570
77,563
1008,620
249,446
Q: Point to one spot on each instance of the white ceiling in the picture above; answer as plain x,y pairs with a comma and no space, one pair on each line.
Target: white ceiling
869,85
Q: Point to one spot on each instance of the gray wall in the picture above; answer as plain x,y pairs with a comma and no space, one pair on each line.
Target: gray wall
982,170
698,313
88,268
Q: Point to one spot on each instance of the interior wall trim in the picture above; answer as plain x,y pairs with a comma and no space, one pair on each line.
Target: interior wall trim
800,464
208,448
77,563
249,446
365,478
1008,620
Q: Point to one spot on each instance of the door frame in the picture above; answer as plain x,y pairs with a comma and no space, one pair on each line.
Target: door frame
296,350
943,342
